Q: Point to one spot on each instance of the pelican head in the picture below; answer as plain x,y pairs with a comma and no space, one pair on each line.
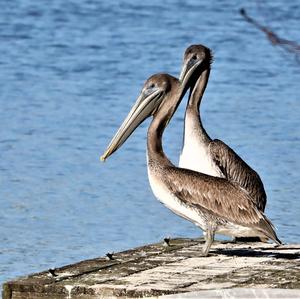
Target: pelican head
196,59
147,104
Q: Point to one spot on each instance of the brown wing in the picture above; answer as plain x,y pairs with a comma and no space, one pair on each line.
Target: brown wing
237,170
218,197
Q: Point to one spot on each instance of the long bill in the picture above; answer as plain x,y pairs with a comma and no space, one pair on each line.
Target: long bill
144,107
187,71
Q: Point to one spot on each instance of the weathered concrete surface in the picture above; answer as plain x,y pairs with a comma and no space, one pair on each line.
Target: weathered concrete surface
237,293
156,270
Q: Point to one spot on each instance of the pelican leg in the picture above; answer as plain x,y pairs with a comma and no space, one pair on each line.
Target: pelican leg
209,238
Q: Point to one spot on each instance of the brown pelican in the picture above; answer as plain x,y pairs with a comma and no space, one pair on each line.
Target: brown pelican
214,204
200,152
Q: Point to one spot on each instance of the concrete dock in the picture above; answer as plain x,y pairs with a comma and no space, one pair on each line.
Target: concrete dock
230,271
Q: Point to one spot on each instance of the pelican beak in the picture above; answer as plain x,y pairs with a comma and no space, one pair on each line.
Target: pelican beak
144,107
188,70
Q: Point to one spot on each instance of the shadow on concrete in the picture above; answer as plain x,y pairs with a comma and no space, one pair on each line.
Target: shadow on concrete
267,252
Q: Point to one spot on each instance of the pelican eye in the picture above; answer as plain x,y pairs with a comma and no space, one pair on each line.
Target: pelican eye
194,57
150,89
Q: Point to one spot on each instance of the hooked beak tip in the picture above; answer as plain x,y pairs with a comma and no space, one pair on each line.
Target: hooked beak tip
103,157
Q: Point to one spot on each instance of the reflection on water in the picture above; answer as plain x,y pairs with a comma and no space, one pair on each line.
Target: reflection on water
70,71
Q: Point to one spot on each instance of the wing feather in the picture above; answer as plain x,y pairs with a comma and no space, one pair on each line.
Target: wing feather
235,169
218,197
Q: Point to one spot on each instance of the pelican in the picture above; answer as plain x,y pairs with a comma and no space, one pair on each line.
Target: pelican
214,204
199,151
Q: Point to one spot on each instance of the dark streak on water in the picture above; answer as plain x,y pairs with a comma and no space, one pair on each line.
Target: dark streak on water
70,72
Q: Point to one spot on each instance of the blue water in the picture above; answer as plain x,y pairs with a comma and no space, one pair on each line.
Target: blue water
70,71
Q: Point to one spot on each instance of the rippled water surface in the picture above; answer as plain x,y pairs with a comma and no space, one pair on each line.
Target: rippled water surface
70,71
